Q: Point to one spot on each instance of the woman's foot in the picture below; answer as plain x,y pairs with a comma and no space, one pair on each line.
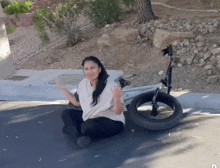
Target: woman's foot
71,131
84,141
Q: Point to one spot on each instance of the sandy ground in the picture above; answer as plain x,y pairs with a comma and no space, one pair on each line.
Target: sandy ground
140,63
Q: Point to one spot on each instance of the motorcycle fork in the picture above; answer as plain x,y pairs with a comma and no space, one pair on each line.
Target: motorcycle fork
155,106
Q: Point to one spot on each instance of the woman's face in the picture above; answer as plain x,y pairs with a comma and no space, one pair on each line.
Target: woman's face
91,70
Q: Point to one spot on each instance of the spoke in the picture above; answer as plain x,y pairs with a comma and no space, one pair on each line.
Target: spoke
164,111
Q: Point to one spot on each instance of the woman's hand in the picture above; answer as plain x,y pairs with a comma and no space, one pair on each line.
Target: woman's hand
118,106
117,93
69,95
59,84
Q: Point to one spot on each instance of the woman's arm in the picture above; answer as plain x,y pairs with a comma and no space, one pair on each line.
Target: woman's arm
68,94
118,106
71,97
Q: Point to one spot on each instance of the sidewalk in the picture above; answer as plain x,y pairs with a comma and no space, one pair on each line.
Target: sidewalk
31,85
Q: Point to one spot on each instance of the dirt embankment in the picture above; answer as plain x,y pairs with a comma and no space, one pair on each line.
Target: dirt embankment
139,60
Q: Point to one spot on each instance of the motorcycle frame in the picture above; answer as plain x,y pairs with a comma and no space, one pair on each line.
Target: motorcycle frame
129,94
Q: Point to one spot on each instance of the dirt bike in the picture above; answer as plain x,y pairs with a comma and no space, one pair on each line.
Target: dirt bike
149,106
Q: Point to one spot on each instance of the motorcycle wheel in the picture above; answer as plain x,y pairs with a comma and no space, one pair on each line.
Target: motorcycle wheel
169,111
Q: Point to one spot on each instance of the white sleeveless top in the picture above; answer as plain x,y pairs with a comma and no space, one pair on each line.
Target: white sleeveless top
105,105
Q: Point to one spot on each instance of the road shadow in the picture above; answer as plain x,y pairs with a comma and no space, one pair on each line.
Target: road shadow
31,137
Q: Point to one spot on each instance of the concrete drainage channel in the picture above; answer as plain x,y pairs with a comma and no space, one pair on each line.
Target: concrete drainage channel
68,79
16,78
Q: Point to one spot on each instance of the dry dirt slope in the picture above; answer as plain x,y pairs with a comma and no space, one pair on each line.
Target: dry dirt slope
140,60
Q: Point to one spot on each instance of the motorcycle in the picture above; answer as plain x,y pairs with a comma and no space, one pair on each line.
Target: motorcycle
149,106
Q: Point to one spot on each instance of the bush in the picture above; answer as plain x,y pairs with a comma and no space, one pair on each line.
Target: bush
129,2
62,20
10,29
105,11
40,22
18,7
5,3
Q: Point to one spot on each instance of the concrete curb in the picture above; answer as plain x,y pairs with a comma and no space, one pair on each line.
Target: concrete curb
38,87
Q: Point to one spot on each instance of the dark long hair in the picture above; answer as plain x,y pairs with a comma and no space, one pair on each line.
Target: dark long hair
102,78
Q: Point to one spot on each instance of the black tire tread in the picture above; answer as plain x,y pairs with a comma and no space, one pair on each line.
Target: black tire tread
152,124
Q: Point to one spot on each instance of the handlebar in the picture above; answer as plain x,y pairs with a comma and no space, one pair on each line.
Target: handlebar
168,79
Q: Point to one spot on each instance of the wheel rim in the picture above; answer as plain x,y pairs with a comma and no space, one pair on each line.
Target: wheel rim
164,111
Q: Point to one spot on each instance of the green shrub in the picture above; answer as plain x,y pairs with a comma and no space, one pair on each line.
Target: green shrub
129,2
5,3
62,20
10,29
40,18
18,7
105,11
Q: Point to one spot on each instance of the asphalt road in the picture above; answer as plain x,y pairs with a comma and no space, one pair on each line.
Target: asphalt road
31,137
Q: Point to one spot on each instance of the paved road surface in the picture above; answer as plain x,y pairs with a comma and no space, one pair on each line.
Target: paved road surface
31,138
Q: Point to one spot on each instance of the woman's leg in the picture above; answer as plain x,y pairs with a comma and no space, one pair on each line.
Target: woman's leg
101,127
72,120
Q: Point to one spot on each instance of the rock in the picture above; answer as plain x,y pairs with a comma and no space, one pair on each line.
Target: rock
179,65
145,39
162,38
105,40
182,51
160,73
209,72
205,49
218,66
200,38
200,49
212,79
107,26
200,44
197,58
48,60
160,25
215,51
207,55
156,23
186,43
152,29
212,29
139,38
190,59
196,51
176,42
201,62
213,60
189,27
126,35
207,67
183,61
143,30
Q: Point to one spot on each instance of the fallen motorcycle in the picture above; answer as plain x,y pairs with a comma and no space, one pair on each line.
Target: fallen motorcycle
149,106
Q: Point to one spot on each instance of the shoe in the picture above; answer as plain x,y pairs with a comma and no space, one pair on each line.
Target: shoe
64,130
71,131
84,141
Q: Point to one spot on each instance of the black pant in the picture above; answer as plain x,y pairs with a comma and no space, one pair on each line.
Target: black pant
100,127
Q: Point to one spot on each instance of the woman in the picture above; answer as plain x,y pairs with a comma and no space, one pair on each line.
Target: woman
101,102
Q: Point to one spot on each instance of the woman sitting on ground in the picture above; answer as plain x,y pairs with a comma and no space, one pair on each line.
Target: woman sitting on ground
101,102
